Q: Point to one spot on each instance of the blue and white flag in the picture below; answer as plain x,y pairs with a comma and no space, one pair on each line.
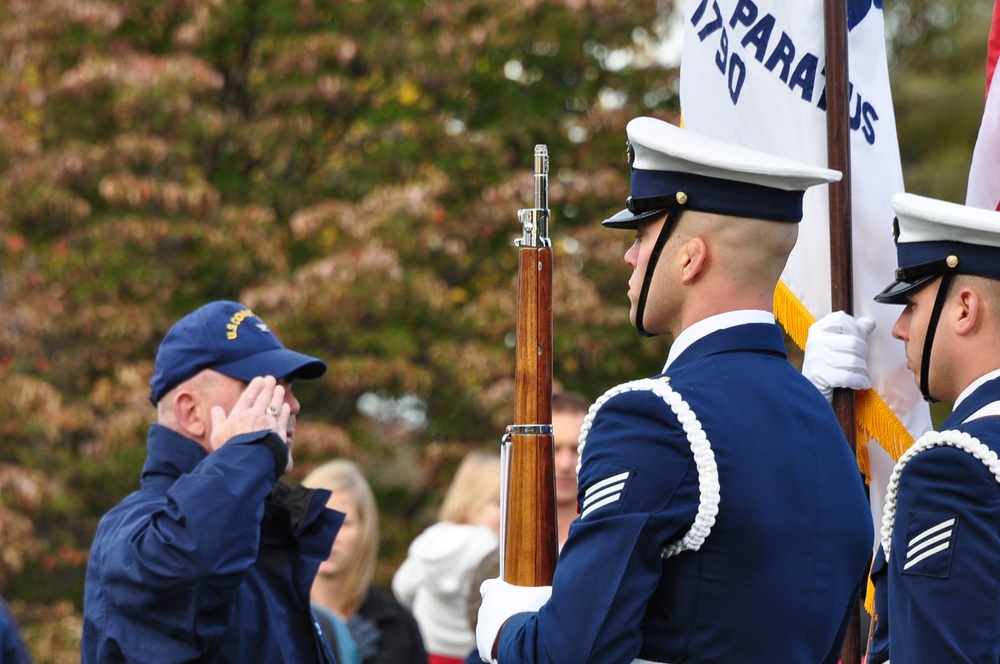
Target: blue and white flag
752,72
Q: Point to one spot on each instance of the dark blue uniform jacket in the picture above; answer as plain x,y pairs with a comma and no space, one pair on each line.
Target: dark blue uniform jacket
12,648
777,574
210,561
941,584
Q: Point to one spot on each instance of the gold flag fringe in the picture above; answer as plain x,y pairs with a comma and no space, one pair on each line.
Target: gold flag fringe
874,419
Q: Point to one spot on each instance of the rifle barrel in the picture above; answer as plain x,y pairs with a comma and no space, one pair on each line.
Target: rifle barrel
529,543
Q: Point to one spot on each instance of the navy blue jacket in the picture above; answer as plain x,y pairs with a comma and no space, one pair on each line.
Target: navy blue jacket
774,578
12,648
938,595
210,561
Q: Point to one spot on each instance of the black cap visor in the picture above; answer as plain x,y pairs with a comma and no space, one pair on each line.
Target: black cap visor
628,220
896,292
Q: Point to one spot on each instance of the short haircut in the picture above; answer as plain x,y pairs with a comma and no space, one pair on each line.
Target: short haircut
570,402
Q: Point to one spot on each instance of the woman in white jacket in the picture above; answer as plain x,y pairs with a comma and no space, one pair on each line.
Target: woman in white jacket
434,579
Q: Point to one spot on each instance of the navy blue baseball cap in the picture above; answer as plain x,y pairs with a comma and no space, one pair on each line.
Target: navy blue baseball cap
229,338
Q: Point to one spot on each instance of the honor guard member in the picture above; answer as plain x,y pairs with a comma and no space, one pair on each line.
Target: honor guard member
937,575
723,517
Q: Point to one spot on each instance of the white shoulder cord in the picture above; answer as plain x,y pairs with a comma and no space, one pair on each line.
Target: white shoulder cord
951,438
704,458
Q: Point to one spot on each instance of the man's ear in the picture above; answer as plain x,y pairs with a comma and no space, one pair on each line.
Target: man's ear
190,415
970,310
695,259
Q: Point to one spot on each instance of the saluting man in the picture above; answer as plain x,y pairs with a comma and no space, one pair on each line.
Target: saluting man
722,515
937,575
212,558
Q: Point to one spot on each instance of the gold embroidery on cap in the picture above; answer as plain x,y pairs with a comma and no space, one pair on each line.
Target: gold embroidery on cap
234,323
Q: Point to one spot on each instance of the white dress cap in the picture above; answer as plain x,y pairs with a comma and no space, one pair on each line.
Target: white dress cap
675,167
661,146
923,219
934,237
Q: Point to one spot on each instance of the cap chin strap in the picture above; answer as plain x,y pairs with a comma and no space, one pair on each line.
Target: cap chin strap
673,214
925,360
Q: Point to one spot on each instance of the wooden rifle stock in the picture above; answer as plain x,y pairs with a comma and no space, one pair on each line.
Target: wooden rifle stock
529,543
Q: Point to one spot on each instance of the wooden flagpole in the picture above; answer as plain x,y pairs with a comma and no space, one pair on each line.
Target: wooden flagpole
838,145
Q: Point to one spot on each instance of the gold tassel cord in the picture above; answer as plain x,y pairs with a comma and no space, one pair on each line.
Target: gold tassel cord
875,420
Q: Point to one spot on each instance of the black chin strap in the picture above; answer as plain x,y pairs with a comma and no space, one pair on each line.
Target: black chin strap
673,214
925,360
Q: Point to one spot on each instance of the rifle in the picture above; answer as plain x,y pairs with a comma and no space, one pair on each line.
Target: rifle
529,543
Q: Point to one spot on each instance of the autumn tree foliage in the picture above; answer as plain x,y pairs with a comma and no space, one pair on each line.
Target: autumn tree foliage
350,170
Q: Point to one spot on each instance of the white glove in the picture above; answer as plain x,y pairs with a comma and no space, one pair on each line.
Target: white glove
501,601
835,353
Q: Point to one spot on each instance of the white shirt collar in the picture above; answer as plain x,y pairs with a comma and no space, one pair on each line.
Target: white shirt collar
974,385
715,323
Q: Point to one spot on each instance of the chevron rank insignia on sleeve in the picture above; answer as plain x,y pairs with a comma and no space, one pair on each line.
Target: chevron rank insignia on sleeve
603,493
930,540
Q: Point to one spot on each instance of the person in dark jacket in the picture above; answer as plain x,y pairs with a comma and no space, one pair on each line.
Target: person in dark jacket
385,630
212,559
12,648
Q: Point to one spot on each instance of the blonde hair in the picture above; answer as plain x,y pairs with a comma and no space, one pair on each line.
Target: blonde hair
344,475
476,484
